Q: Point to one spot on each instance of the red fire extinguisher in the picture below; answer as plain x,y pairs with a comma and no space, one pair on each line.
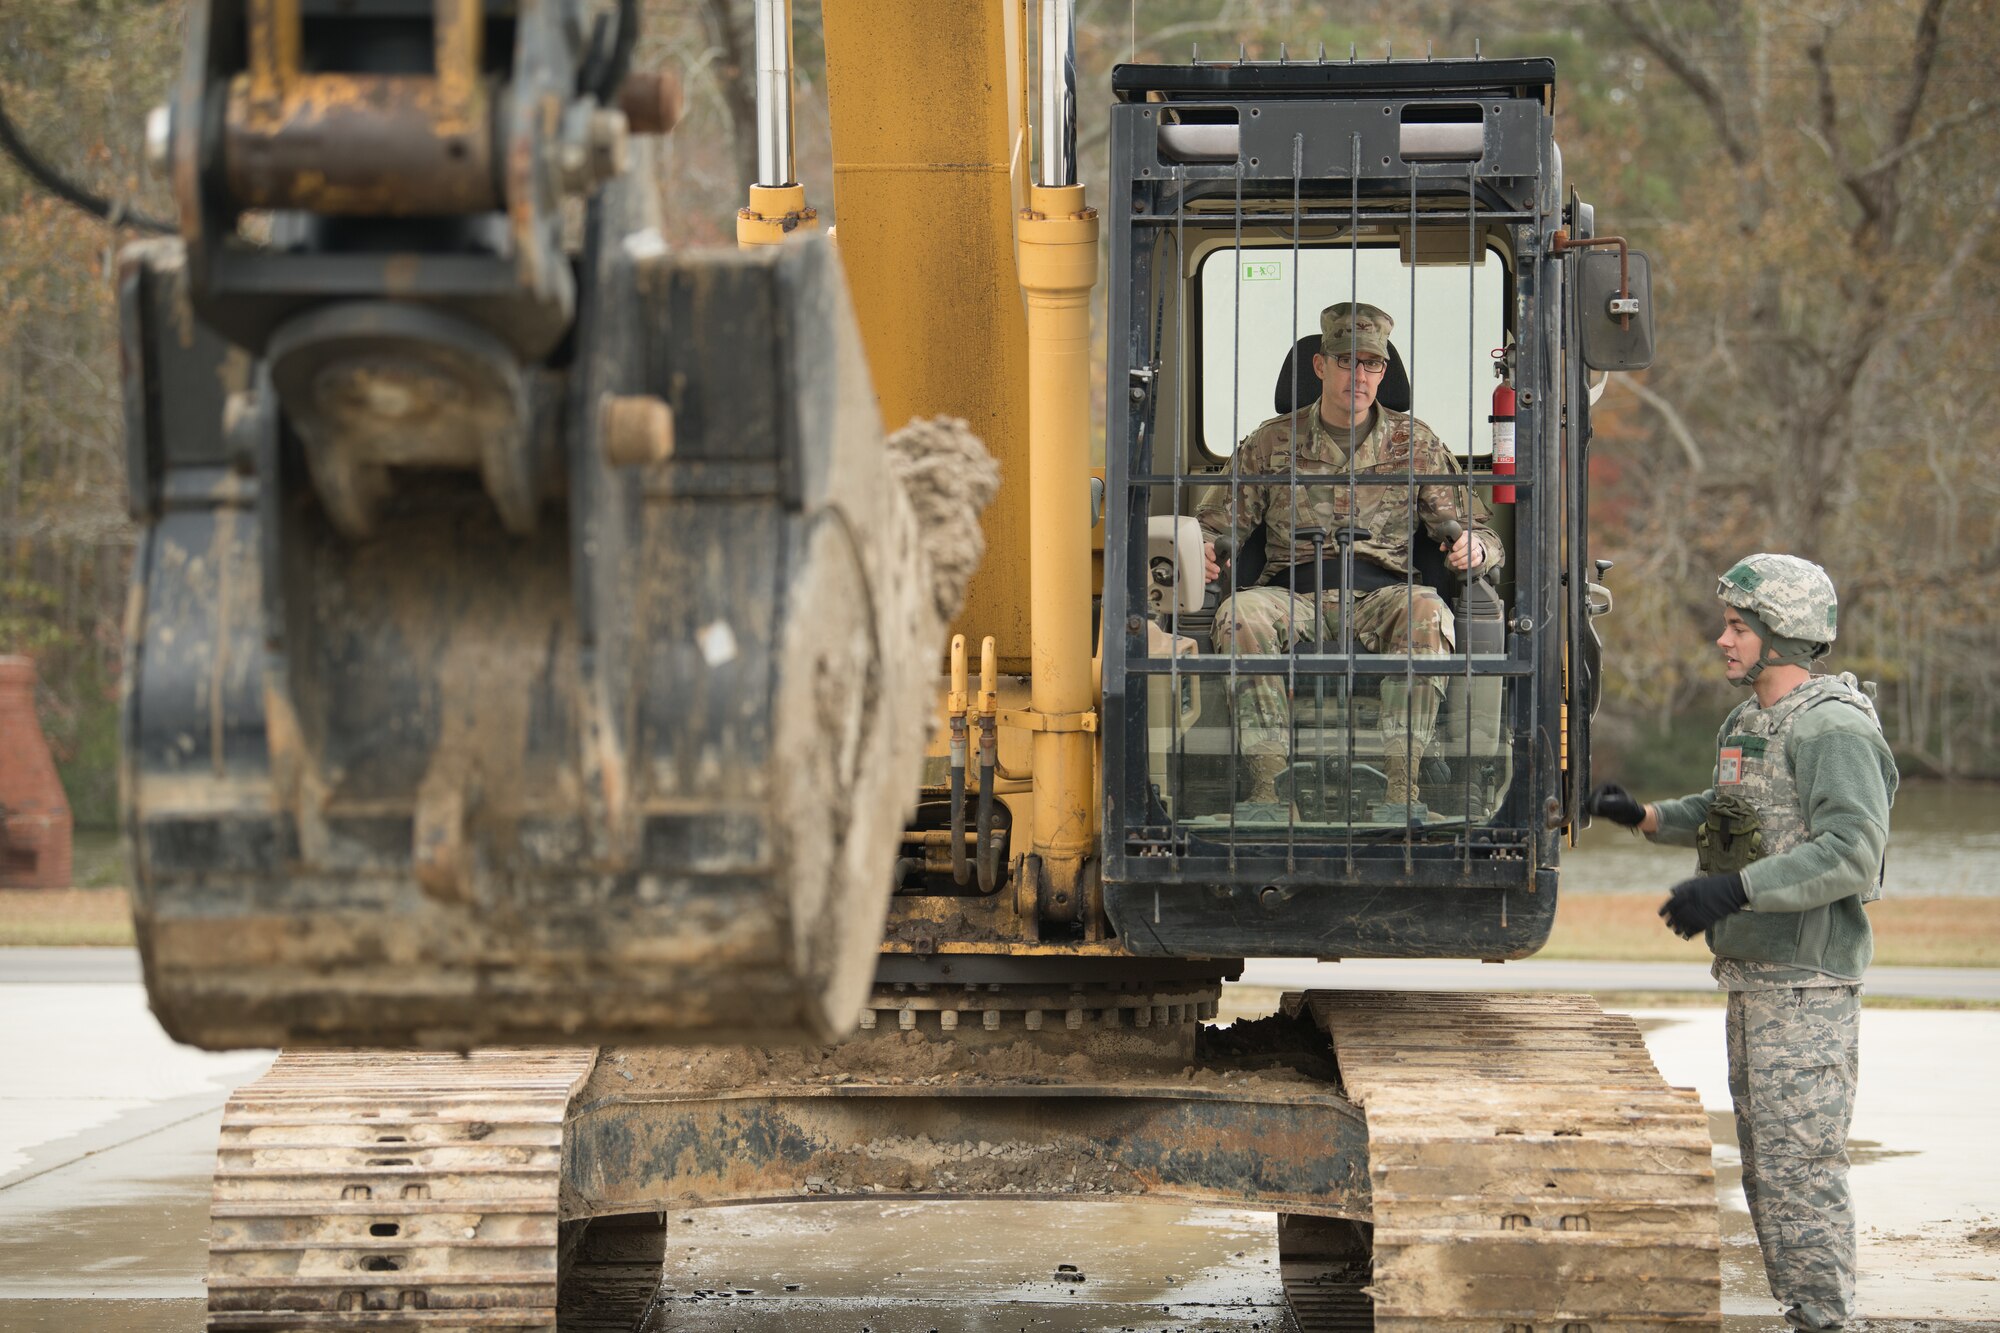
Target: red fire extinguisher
1503,425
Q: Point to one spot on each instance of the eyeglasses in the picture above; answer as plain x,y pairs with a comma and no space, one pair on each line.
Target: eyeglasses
1373,365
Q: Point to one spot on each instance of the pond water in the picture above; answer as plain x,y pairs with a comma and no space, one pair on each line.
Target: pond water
1944,840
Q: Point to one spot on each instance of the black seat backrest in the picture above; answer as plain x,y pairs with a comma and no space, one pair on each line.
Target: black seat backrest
1393,393
1249,563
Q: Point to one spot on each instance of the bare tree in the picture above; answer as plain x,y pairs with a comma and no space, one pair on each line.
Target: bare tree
732,31
1843,158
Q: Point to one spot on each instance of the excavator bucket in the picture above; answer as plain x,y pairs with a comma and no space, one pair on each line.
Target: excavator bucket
606,741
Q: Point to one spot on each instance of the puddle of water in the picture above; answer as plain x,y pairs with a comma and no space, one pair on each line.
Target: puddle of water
1924,1176
105,1316
116,1241
152,1244
985,1265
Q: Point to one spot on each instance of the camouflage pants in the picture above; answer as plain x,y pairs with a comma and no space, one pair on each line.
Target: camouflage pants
1794,1056
1387,620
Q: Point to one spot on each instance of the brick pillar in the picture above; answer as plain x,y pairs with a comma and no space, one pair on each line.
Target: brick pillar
34,812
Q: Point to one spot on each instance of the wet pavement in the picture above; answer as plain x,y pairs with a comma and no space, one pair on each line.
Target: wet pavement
1924,1171
107,1140
106,1132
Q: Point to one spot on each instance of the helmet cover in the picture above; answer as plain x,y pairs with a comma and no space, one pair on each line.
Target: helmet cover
1792,597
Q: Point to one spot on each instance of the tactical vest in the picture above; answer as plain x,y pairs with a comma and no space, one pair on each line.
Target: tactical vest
1756,810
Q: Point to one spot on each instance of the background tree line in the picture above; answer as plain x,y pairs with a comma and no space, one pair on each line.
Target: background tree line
1818,182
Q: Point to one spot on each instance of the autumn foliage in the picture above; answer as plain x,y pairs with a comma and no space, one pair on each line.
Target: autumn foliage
1815,183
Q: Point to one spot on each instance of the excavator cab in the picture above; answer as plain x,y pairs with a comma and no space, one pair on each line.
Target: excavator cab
1245,199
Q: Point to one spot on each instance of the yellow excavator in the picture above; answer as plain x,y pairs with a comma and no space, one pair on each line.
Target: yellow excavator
624,777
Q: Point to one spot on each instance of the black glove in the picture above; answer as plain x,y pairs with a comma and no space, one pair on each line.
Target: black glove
1698,903
1615,804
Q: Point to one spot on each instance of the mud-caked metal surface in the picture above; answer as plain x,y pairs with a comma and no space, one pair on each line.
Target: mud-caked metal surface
1529,1166
370,1189
1097,1112
633,769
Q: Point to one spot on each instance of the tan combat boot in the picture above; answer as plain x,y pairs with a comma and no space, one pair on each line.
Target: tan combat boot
1263,803
1263,770
1401,801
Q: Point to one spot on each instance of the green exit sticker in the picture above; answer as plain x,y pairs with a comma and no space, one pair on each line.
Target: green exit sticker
1268,270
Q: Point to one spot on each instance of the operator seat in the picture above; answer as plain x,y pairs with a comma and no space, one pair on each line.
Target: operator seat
1393,393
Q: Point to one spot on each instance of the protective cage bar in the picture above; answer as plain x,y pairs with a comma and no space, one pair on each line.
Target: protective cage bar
1433,194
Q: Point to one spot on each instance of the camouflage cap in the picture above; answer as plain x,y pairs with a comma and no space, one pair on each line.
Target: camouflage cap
1793,597
1355,328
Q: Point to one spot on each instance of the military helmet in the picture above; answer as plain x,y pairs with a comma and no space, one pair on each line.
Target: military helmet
1793,597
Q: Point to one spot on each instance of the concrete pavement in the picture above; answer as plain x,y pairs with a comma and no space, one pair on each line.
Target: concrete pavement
107,1131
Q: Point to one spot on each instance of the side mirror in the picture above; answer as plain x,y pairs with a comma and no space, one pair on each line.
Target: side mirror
1614,332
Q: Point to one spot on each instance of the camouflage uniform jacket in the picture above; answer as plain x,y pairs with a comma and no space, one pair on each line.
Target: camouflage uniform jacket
1817,771
1321,452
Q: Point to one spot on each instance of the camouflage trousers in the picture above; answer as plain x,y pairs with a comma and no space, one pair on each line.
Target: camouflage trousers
1794,1056
1387,620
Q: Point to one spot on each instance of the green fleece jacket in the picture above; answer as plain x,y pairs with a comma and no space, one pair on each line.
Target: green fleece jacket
1846,781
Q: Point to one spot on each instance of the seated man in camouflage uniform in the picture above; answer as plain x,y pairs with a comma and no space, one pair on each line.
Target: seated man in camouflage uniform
1345,429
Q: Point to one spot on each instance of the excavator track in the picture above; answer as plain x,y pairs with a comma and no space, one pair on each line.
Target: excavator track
393,1191
1528,1172
1530,1169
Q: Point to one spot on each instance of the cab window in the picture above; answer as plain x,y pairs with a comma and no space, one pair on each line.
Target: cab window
1448,355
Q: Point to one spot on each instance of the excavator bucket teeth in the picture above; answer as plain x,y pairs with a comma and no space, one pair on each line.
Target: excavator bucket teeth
632,764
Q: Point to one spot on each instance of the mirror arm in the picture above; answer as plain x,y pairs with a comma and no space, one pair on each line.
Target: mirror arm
1623,307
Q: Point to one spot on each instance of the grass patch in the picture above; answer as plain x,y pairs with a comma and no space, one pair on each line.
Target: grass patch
1909,932
64,917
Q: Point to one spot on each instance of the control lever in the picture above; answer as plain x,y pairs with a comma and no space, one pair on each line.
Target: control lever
1345,536
1597,600
1316,537
1225,557
1451,530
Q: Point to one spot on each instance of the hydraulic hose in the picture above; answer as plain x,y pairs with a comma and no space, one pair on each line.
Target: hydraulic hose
989,756
989,842
960,870
955,705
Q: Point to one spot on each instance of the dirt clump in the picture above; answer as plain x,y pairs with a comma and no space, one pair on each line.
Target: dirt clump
1275,1048
949,477
886,1057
